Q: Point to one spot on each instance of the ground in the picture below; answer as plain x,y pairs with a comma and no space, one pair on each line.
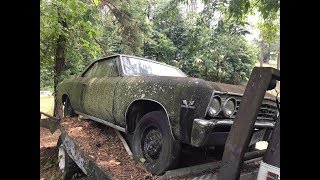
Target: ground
106,149
102,145
48,155
46,104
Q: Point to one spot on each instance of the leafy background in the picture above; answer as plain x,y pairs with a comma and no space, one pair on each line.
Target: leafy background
204,38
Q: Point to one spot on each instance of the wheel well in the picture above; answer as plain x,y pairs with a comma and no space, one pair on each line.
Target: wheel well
138,109
64,97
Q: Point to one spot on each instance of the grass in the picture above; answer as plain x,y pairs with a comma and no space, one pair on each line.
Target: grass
46,104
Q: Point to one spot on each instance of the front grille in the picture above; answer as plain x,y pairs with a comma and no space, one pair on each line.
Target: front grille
268,110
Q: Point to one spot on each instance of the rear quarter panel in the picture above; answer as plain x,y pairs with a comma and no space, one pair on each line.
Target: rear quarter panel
64,87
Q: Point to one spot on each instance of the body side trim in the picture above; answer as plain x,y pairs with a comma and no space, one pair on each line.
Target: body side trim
102,121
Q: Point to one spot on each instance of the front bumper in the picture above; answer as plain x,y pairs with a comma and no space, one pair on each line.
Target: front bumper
205,132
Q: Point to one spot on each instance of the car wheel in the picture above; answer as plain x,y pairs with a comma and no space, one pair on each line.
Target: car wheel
68,110
67,165
152,143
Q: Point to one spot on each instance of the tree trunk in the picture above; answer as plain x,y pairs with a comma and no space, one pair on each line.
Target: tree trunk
59,60
266,57
278,60
261,56
218,66
59,63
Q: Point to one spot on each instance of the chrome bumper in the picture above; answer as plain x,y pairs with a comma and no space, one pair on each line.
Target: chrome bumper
203,133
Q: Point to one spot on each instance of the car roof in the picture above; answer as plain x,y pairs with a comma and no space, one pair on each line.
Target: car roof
119,55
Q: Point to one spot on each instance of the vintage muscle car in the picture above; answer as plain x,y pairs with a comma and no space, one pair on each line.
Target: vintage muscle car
158,105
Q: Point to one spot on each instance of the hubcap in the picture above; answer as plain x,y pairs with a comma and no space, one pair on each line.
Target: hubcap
152,144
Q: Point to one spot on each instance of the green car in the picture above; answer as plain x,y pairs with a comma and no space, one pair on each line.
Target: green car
158,106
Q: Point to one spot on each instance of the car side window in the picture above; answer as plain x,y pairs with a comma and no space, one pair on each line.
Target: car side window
107,68
91,71
103,68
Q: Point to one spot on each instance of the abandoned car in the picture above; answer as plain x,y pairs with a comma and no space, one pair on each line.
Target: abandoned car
158,106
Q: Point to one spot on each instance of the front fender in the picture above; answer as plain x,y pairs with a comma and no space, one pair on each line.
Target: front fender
171,92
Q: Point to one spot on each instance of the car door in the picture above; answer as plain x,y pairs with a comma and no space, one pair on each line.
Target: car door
79,85
98,95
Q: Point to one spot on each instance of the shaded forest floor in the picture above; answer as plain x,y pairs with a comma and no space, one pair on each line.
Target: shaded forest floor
49,168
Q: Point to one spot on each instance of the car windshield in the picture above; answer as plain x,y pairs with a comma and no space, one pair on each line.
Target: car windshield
140,67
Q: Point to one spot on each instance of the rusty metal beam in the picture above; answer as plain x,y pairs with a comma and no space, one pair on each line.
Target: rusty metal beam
242,128
272,155
254,154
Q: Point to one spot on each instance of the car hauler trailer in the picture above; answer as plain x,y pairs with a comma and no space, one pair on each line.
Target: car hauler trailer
237,163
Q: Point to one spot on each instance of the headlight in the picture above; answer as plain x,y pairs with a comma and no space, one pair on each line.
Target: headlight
214,106
229,107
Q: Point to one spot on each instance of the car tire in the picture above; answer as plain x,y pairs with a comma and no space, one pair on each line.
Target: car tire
153,144
66,163
68,110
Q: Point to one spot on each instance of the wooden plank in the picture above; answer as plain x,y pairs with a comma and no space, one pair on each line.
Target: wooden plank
272,156
242,128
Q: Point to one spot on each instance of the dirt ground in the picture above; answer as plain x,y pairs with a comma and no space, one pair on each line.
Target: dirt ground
105,148
48,155
102,145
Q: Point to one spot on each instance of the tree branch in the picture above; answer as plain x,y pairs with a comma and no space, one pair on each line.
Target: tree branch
101,46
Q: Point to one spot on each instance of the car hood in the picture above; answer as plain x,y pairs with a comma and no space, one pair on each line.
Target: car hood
238,89
192,82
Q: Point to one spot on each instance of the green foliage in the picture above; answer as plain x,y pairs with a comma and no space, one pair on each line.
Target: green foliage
131,18
57,176
216,52
270,28
51,163
220,55
82,27
168,33
208,44
269,22
239,8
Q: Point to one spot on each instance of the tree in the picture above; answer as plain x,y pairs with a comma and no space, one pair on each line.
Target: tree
74,32
218,51
269,31
269,24
240,8
207,44
168,33
130,16
65,35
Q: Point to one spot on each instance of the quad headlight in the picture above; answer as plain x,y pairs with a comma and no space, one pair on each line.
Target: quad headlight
214,106
229,107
